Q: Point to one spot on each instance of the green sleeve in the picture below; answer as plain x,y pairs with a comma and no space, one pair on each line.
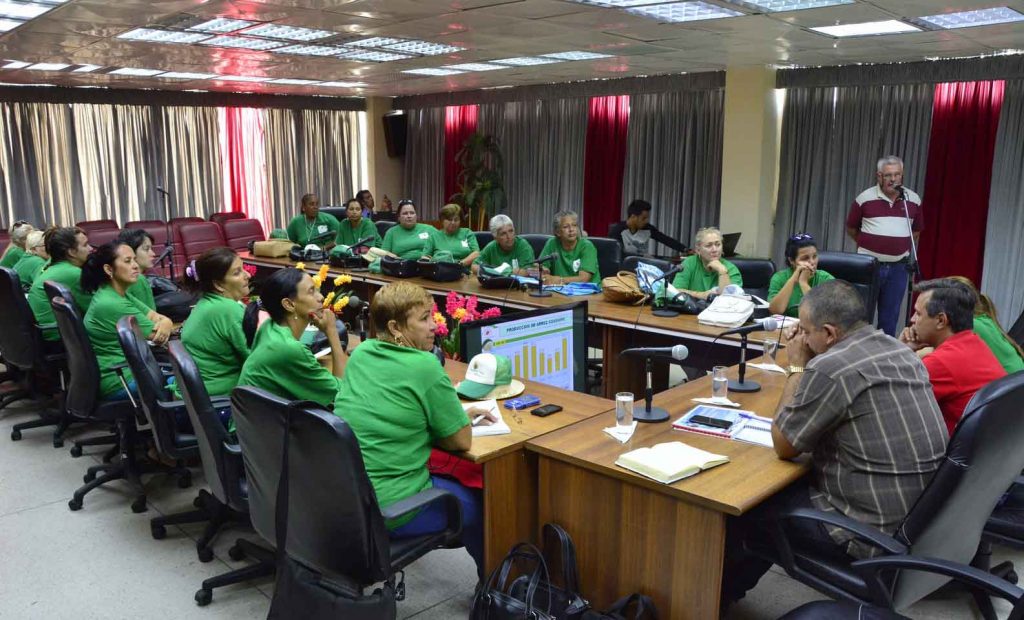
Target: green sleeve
430,247
484,255
235,335
474,245
734,273
445,415
371,229
824,276
389,239
82,298
314,382
294,232
141,312
549,246
778,281
588,260
143,292
684,277
524,252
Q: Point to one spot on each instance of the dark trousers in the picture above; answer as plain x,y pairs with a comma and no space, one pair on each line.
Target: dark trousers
892,288
742,570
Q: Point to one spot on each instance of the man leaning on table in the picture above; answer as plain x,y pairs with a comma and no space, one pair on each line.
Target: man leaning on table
860,403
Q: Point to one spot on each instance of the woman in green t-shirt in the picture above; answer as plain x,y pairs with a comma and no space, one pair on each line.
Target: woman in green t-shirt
68,248
987,327
788,287
29,265
506,249
356,227
400,403
461,242
575,256
108,273
706,272
16,248
409,239
142,243
279,362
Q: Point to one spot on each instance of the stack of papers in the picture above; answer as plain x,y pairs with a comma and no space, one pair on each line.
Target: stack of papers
728,424
498,428
669,462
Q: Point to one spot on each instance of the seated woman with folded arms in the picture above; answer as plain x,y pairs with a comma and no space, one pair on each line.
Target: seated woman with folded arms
706,271
16,248
68,248
279,362
33,261
356,227
788,287
986,326
575,256
506,249
461,242
108,273
409,238
398,420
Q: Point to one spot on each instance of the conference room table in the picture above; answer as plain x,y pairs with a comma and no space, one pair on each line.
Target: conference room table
634,534
620,326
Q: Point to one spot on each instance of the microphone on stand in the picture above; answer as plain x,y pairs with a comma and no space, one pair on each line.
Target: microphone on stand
650,413
163,191
742,385
168,250
540,292
665,310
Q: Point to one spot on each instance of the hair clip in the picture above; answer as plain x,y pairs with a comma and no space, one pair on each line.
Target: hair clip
190,271
801,237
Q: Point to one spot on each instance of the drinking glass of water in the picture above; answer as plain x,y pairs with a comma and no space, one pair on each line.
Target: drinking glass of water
624,409
719,382
771,350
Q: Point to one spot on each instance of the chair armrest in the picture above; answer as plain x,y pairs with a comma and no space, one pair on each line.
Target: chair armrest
424,499
863,532
872,568
220,402
233,449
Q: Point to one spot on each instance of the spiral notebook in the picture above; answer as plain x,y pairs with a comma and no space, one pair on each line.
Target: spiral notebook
735,424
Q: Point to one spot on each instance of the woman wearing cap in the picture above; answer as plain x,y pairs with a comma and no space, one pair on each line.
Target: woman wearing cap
706,271
461,242
575,256
356,226
33,261
409,239
789,286
16,249
399,419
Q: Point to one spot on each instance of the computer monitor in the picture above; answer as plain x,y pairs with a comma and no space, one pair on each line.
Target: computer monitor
548,345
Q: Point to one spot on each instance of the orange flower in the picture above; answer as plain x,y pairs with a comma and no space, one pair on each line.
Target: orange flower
328,299
323,271
341,303
300,265
343,279
459,314
317,281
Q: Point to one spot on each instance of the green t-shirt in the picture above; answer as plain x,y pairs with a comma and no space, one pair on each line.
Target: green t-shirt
284,366
349,236
143,292
13,255
27,268
461,244
64,273
101,319
989,331
695,277
408,243
569,263
398,420
518,258
781,277
320,231
213,336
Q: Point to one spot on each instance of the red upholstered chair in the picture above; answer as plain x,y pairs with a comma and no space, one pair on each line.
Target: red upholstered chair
91,225
158,230
100,236
198,237
5,240
223,216
179,247
238,233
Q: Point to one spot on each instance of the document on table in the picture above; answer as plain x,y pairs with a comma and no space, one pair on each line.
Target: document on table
497,428
755,429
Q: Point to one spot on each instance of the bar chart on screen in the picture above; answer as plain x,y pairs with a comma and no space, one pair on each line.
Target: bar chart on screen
540,348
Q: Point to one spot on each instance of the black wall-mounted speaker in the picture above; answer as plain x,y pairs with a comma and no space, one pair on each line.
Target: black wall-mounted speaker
395,130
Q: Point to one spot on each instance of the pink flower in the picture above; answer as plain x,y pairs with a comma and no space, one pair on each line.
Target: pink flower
441,330
490,313
452,302
249,269
471,304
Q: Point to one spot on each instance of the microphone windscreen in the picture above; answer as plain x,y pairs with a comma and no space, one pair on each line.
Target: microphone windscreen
354,301
680,352
770,324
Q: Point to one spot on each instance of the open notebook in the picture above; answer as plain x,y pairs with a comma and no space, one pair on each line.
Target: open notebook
498,428
669,462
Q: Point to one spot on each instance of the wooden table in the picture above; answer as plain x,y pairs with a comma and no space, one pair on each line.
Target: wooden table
620,326
637,535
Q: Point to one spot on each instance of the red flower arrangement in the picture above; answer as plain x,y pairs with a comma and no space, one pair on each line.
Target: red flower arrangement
459,310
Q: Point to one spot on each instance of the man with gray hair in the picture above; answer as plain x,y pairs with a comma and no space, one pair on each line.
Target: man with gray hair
877,223
860,403
506,249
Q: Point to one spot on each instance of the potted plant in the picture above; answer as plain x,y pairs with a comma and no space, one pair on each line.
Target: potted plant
481,187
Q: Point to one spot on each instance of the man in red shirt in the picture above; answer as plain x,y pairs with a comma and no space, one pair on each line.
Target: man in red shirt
961,362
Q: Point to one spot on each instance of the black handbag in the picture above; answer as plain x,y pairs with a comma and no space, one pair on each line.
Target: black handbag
566,602
494,602
301,592
645,609
441,271
500,282
399,267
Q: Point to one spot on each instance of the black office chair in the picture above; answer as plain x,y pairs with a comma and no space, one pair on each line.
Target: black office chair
757,274
339,213
537,242
227,500
983,458
1005,527
24,354
483,237
1017,331
383,226
340,534
860,270
629,263
609,255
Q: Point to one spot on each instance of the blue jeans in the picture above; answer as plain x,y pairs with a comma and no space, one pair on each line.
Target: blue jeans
892,288
434,518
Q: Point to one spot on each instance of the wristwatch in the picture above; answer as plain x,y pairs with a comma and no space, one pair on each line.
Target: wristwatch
795,369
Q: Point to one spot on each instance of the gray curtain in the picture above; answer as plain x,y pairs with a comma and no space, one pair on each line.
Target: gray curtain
831,140
1004,236
190,162
329,142
424,158
284,186
674,159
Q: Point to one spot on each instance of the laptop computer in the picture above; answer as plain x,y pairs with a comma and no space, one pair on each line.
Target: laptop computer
729,241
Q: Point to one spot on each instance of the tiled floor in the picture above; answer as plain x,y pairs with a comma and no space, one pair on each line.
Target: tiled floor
101,562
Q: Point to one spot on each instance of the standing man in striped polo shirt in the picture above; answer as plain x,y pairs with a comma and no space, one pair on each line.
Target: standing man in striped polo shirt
878,225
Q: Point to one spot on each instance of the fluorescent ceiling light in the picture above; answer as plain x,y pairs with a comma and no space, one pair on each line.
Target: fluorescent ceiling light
778,6
21,10
9,24
222,24
87,69
425,48
619,4
48,66
16,64
374,42
185,75
292,33
432,71
241,78
311,50
293,81
889,26
343,84
684,12
374,56
576,55
136,72
526,61
981,17
163,36
243,43
475,66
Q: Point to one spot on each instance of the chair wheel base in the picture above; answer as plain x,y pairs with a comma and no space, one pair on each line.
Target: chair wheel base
205,554
89,477
1011,577
139,505
75,504
236,553
58,442
204,597
76,451
15,435
158,532
185,481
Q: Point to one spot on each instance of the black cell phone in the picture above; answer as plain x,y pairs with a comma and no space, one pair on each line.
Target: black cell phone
707,421
545,410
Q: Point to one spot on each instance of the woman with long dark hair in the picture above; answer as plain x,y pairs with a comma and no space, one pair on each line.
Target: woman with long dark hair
68,248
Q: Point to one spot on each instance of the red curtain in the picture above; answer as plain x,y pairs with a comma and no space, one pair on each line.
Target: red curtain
965,118
244,164
604,162
459,124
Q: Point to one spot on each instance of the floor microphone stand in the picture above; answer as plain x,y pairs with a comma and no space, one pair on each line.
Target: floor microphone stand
912,265
167,227
742,385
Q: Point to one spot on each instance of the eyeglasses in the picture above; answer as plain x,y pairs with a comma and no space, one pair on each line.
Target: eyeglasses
801,237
